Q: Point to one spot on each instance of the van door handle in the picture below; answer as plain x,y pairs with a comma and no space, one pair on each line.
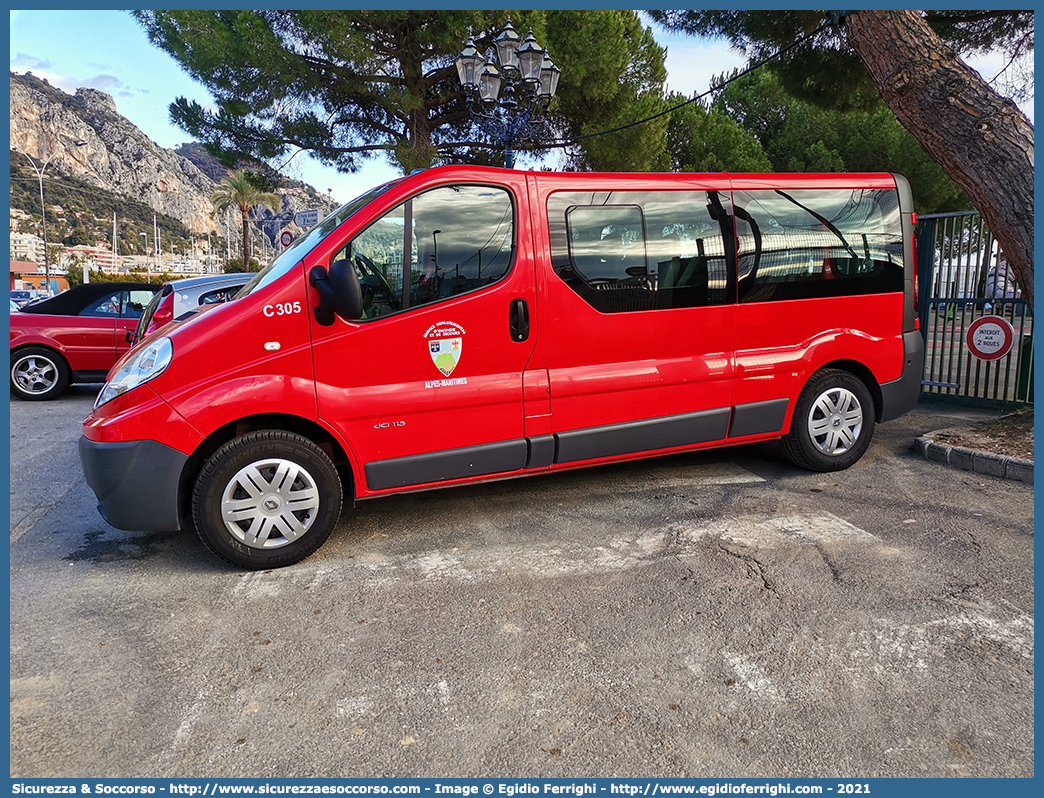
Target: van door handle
518,320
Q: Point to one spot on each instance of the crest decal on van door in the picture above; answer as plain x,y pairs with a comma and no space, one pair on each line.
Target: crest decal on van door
445,342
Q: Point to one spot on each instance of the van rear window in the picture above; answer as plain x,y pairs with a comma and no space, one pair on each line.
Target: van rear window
808,243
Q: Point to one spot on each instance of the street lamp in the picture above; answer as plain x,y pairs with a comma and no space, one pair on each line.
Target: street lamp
508,95
148,263
43,208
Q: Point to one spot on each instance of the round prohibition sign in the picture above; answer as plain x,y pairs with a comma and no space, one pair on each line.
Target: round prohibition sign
990,337
286,238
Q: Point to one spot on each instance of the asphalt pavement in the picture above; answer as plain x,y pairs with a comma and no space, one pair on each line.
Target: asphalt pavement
703,615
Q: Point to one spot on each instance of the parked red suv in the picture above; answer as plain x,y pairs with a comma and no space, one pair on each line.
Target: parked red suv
76,336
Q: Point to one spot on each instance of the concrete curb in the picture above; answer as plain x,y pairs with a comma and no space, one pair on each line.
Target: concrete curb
993,465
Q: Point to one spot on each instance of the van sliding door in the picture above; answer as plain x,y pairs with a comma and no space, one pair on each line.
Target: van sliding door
641,307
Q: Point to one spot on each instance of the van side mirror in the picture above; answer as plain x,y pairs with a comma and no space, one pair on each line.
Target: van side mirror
319,279
339,292
348,301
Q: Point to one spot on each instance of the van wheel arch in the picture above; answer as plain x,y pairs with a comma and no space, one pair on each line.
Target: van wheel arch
267,498
857,369
270,421
833,421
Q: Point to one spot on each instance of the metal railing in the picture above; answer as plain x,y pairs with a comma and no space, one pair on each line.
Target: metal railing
962,277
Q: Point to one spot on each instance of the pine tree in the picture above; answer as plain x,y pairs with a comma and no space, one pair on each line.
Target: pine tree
909,59
346,85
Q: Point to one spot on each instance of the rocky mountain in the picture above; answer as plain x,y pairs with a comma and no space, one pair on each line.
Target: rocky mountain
297,195
96,144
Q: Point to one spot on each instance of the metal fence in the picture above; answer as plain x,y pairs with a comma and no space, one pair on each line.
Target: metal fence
962,276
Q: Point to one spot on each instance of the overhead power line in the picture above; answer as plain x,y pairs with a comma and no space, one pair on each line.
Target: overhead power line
698,97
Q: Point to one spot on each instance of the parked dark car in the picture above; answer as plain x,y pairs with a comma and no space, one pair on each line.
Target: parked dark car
23,298
178,297
76,336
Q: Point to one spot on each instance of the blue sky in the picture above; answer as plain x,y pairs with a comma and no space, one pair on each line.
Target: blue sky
108,50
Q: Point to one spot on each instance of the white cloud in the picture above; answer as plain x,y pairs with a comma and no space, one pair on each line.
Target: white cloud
66,84
110,84
20,62
693,62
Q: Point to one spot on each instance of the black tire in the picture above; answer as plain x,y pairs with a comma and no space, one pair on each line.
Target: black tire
38,373
833,422
260,529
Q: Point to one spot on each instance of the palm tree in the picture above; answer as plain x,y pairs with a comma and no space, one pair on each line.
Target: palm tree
237,189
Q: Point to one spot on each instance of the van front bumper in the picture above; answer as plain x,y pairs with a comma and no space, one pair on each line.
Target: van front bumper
136,483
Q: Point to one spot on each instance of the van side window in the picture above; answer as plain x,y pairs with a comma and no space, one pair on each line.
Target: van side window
641,250
436,245
607,242
809,243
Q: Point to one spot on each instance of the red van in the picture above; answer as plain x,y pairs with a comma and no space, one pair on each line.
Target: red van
466,324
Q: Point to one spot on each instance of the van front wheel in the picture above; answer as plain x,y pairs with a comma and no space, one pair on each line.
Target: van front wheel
833,422
267,499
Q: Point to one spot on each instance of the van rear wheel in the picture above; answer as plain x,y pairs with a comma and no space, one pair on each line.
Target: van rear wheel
833,422
267,499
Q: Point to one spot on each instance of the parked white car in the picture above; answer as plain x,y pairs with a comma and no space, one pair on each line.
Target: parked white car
178,297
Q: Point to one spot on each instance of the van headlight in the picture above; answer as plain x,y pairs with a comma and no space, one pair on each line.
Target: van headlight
149,362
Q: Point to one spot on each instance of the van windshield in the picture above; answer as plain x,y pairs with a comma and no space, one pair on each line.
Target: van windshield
297,251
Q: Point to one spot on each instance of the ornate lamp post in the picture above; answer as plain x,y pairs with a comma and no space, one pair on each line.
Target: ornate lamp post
508,96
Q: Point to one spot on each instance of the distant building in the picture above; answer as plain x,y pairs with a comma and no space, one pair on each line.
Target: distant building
99,258
28,276
20,269
18,216
26,247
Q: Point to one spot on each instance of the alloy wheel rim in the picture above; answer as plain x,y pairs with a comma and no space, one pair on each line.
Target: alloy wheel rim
270,503
34,374
835,421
